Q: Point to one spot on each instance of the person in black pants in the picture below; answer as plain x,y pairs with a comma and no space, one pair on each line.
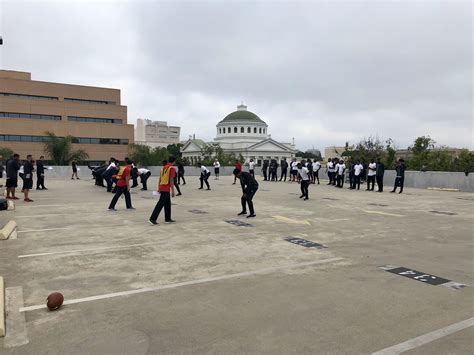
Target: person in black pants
28,177
134,175
40,174
380,171
358,168
144,174
205,174
181,173
284,169
166,183
249,189
265,170
123,187
400,179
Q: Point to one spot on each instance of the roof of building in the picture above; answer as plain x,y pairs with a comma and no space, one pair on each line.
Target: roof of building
241,115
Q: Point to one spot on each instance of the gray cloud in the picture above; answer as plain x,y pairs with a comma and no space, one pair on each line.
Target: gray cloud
322,72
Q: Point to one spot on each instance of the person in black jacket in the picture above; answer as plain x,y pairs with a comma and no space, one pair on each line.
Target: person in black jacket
28,177
284,169
400,179
265,170
249,189
181,173
40,174
12,165
379,173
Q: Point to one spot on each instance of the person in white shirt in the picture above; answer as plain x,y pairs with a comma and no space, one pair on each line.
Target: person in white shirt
109,172
340,170
252,168
217,167
304,176
205,173
358,167
316,168
294,170
144,174
371,175
331,171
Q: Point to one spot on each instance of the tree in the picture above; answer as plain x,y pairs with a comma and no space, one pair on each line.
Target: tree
147,156
464,161
421,150
175,150
60,149
6,152
212,151
310,154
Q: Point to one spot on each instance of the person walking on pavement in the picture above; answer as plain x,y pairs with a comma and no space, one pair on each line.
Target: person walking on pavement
123,186
166,189
217,168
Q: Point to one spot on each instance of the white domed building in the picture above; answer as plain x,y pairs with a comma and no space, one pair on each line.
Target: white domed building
242,133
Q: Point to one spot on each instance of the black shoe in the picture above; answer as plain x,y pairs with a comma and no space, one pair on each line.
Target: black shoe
44,188
184,184
242,213
400,192
179,194
301,196
170,221
200,188
131,208
392,191
305,199
153,223
111,209
208,189
252,215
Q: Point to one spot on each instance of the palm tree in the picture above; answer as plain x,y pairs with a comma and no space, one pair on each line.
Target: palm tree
60,150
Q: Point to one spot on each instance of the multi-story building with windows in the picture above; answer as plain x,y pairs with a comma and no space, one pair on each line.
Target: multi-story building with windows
156,133
93,115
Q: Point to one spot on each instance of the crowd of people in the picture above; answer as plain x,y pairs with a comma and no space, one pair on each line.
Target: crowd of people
14,168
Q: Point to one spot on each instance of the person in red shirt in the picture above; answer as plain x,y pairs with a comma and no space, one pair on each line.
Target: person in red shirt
165,187
238,166
123,186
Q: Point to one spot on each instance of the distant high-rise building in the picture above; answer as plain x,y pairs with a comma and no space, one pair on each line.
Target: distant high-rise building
156,133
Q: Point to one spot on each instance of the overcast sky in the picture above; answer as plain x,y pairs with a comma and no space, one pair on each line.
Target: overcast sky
322,72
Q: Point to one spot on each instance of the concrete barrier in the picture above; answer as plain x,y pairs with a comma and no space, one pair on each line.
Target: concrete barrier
2,308
416,179
9,230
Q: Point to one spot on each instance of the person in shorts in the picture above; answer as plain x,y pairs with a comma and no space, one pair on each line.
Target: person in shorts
28,177
13,165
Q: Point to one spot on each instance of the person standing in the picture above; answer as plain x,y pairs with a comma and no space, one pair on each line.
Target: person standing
217,167
284,169
165,188
272,170
316,168
13,166
340,170
238,166
304,180
28,177
294,170
134,175
252,168
109,172
249,189
40,174
1,169
265,170
74,169
330,169
351,174
400,179
372,170
144,174
358,168
309,165
205,173
123,186
380,171
181,173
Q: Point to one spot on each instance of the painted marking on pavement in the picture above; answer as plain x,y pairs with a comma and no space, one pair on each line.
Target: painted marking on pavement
186,283
444,213
423,277
41,230
383,213
292,220
16,334
236,222
426,338
305,243
88,250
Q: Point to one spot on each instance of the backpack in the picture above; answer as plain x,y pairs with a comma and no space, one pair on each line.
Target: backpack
3,204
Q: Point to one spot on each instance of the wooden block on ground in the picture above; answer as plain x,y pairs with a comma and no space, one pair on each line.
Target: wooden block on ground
8,230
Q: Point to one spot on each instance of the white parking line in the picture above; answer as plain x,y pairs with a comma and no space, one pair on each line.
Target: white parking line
383,213
69,252
41,230
426,338
185,283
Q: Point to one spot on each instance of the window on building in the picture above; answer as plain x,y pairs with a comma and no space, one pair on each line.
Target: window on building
81,140
248,130
255,130
94,119
28,97
264,130
219,131
235,129
260,130
228,129
87,101
30,116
